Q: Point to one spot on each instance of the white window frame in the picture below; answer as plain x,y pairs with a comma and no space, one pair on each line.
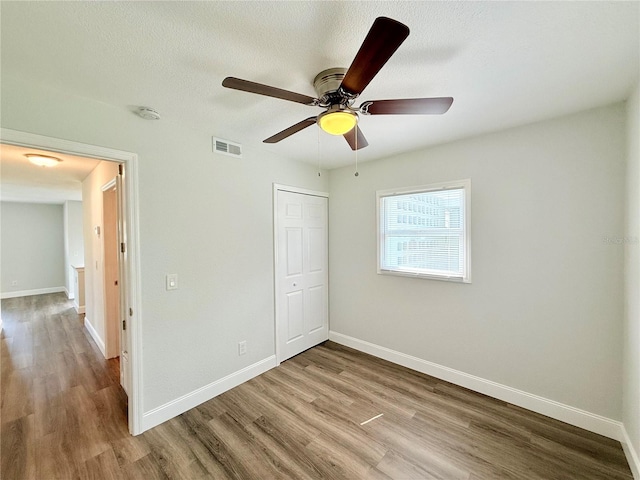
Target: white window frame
464,184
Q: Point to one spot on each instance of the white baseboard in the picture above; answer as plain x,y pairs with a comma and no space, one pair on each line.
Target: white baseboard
631,454
79,310
186,402
28,293
95,336
0,324
69,295
565,413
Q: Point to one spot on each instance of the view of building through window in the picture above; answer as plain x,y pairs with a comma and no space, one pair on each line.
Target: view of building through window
424,232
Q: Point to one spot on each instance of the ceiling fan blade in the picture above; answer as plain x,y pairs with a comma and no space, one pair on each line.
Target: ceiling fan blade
350,137
408,106
260,89
291,130
384,38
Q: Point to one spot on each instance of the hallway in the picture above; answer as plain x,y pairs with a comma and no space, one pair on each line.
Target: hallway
63,412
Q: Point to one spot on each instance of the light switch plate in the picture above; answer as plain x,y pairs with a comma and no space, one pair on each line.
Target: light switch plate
172,281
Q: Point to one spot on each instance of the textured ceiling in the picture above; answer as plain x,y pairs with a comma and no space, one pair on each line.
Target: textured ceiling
25,182
505,63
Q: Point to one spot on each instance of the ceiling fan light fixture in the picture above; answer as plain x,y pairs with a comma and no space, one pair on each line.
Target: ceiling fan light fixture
43,160
337,122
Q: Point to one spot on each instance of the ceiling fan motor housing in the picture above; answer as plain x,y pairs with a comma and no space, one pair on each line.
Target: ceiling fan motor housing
327,85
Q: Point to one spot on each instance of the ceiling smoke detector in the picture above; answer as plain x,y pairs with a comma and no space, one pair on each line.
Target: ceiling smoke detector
148,113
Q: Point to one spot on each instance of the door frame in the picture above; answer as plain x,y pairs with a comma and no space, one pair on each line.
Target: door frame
132,268
276,289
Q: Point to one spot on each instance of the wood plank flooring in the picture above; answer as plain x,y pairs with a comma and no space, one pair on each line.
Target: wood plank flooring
63,416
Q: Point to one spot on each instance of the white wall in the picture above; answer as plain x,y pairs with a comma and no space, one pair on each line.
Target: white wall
543,314
73,243
204,216
93,245
631,385
32,249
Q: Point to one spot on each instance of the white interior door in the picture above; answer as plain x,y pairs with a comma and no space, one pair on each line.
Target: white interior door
125,367
111,248
302,297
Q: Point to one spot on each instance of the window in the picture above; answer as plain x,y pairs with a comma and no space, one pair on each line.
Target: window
434,243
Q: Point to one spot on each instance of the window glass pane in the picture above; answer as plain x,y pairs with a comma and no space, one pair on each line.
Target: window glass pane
430,240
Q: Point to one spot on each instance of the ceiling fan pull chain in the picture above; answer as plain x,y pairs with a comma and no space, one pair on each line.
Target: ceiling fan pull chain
318,151
356,134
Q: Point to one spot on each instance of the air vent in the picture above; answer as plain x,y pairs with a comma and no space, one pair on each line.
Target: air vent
226,147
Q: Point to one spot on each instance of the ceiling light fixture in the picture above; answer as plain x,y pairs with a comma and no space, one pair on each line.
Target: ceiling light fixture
42,160
337,121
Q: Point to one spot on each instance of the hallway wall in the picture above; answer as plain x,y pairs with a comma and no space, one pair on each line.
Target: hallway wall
31,249
73,243
93,248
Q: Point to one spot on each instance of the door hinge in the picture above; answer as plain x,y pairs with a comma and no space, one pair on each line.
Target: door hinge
120,169
131,312
122,247
124,324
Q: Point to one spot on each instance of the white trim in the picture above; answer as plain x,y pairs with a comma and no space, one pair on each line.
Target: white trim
110,184
190,400
94,334
0,324
26,139
28,293
136,405
285,188
15,137
67,293
631,454
565,413
304,191
79,310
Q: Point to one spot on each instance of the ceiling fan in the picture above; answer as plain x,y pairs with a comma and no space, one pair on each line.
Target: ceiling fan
338,88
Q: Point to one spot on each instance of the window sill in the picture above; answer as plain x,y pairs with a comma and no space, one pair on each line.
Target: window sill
424,276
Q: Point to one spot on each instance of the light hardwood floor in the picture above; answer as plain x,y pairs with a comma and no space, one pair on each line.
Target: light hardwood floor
63,416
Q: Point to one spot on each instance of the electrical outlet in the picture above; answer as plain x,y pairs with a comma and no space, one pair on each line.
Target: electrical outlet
14,283
242,347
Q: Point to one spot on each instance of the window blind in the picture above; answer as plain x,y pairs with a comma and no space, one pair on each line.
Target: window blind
424,232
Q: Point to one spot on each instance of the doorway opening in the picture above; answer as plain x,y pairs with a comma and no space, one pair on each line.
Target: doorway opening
128,268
